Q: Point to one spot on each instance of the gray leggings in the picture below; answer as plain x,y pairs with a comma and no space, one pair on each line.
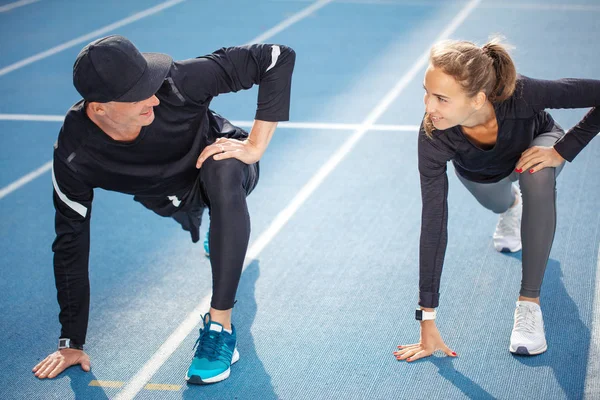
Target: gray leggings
539,212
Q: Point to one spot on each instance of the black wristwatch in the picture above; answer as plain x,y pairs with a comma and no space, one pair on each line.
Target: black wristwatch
64,343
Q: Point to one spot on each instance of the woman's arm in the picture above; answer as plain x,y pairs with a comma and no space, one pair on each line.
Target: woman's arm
567,93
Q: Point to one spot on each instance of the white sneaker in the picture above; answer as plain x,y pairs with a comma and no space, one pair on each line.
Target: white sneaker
507,237
528,337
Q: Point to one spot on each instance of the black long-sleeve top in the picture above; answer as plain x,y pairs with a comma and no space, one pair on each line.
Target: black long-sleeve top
520,119
159,166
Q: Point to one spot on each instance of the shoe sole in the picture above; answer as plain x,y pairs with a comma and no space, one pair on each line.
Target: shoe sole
523,351
508,250
196,380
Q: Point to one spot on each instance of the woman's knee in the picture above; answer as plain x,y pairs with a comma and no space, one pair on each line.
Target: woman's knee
496,204
539,185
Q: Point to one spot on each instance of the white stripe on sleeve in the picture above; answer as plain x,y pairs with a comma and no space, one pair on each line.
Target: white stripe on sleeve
275,52
78,208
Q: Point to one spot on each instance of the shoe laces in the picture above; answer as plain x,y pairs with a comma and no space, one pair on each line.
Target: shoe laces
525,320
209,343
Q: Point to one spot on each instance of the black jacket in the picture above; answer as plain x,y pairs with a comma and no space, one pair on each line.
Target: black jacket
159,166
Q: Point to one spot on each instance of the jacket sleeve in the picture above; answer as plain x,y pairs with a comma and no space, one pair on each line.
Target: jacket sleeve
235,68
568,93
72,202
433,158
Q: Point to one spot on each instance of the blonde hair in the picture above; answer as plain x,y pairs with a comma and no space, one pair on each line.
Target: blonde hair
488,69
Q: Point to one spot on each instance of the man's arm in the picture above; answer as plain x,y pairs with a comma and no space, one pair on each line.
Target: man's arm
72,202
238,68
231,69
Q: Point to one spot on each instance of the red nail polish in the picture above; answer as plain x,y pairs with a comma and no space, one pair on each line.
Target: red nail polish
519,170
453,353
408,359
531,171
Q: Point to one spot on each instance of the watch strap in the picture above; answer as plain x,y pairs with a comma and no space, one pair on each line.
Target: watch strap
421,315
66,343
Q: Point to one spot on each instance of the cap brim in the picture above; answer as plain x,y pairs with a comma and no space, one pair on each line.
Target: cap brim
158,67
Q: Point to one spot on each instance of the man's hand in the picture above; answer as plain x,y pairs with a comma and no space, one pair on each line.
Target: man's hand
247,151
223,148
57,362
538,157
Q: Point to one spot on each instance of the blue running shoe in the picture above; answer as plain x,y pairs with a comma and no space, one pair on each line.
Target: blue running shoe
206,248
216,350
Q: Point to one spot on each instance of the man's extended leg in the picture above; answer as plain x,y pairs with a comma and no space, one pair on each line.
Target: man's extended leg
225,185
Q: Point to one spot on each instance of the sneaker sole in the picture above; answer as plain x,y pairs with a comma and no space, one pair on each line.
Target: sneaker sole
196,380
508,250
523,351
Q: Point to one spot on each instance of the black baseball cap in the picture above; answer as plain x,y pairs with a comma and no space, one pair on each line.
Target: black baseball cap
113,69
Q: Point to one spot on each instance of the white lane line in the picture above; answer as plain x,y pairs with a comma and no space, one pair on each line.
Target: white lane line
89,36
242,124
542,6
489,4
25,179
290,21
16,4
332,126
193,319
31,117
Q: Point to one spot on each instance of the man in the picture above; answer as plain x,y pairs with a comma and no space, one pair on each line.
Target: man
144,128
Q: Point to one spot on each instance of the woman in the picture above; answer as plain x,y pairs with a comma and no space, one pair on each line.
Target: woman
491,123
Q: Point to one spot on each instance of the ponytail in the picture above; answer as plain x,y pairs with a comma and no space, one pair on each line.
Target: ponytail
506,73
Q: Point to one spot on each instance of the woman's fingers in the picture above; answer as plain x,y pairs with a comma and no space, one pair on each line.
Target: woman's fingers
403,349
539,167
409,353
420,354
537,158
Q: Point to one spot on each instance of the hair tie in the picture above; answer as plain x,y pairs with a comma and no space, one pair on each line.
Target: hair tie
487,50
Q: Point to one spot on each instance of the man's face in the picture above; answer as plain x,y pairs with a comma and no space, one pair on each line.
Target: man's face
137,114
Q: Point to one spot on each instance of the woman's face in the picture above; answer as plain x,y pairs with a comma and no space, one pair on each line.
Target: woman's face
445,100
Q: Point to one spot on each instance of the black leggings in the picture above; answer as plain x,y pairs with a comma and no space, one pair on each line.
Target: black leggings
223,186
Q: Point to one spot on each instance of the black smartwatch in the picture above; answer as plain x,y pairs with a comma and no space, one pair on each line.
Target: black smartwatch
421,315
64,343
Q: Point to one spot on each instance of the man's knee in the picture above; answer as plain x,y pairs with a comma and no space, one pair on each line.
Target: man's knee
222,172
222,179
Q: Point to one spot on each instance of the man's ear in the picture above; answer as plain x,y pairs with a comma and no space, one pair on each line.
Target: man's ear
97,108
